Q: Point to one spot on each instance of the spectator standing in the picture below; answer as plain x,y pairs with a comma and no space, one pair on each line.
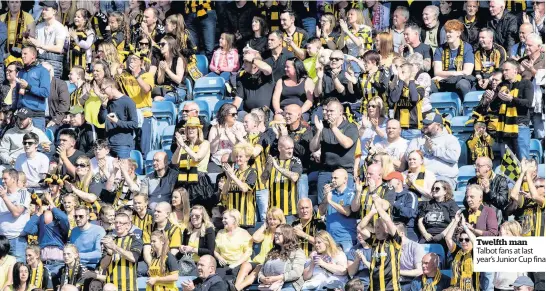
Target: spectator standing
355,35
277,55
238,20
34,91
441,149
159,184
87,238
58,100
50,38
35,165
85,132
515,98
14,213
337,141
374,186
201,20
258,39
19,22
294,38
118,113
503,23
150,26
531,67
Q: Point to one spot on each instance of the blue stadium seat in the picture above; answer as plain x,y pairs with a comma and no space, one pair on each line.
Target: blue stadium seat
204,109
446,102
209,85
463,158
437,249
50,135
189,88
447,272
536,150
164,110
137,156
465,173
541,170
167,136
458,196
471,100
460,129
202,64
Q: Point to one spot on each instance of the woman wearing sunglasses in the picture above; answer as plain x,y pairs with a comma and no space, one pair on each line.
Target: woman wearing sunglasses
223,136
463,275
170,73
86,185
435,215
199,237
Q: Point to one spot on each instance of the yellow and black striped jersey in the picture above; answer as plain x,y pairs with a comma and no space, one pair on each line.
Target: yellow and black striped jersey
122,272
283,192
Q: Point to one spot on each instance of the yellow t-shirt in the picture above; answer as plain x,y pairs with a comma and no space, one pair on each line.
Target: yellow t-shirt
91,108
266,246
5,265
12,25
131,86
233,247
171,267
194,243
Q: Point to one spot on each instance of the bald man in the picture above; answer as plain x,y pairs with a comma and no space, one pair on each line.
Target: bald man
207,279
109,287
395,144
336,138
517,51
307,225
69,287
190,109
374,185
431,267
503,23
301,133
337,207
159,184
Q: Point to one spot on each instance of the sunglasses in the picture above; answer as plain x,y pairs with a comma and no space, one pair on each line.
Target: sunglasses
335,59
466,239
188,111
81,165
372,106
436,189
195,215
233,114
539,186
162,44
79,216
144,43
28,143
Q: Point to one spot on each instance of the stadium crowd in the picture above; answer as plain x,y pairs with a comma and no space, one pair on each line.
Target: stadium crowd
268,145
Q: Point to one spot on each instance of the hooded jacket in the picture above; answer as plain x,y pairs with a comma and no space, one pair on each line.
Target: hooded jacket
38,89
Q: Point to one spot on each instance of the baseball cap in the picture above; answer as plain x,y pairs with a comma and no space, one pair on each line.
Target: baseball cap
432,118
523,281
75,109
394,175
52,4
22,113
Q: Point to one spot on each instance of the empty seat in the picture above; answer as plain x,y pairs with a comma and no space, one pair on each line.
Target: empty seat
202,64
446,102
471,100
536,150
137,156
460,129
164,110
50,135
465,173
167,136
209,86
458,196
541,170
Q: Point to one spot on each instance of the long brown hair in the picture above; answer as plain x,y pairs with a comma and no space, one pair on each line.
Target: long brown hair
386,46
164,250
290,243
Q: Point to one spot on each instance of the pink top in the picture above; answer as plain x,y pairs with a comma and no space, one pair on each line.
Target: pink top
226,62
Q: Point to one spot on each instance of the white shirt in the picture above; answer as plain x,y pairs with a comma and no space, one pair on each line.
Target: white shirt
11,226
395,149
53,34
35,168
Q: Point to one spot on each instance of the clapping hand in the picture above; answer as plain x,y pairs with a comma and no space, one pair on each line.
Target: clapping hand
163,65
228,169
318,123
343,25
180,140
504,96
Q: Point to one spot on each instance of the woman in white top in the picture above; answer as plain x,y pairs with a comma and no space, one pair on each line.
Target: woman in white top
328,265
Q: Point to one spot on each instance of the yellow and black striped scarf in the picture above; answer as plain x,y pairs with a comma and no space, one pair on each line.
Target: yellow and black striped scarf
75,96
366,34
533,217
480,146
419,181
463,272
187,170
432,285
37,277
297,38
271,14
78,56
507,125
495,55
18,41
458,61
403,108
259,161
516,5
94,207
201,7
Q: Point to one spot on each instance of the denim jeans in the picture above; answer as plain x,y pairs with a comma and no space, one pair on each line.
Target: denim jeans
486,281
39,122
55,266
310,25
303,187
410,134
345,245
262,201
325,178
288,287
524,142
121,151
203,28
177,97
538,125
18,248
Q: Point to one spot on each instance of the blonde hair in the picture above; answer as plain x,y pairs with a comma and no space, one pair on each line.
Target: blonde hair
180,30
513,227
331,247
242,147
359,16
164,250
275,213
111,55
380,105
206,220
386,164
84,183
230,40
235,214
22,178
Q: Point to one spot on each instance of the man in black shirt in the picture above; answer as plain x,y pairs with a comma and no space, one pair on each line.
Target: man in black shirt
67,153
85,132
336,139
277,55
254,84
414,45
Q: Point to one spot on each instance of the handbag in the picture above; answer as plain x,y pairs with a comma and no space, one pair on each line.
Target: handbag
277,286
186,264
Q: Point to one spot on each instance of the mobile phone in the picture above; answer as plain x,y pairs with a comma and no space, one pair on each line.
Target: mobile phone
111,115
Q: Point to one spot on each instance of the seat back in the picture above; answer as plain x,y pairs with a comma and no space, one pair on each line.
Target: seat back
137,156
465,173
463,158
471,100
446,102
202,64
209,85
50,135
460,129
541,170
164,110
167,136
536,150
459,196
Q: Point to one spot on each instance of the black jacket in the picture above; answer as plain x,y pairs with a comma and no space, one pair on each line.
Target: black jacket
87,135
239,19
506,29
207,244
498,195
472,31
212,283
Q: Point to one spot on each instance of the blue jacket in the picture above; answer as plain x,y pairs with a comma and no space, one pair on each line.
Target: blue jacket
405,208
53,234
3,41
38,90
